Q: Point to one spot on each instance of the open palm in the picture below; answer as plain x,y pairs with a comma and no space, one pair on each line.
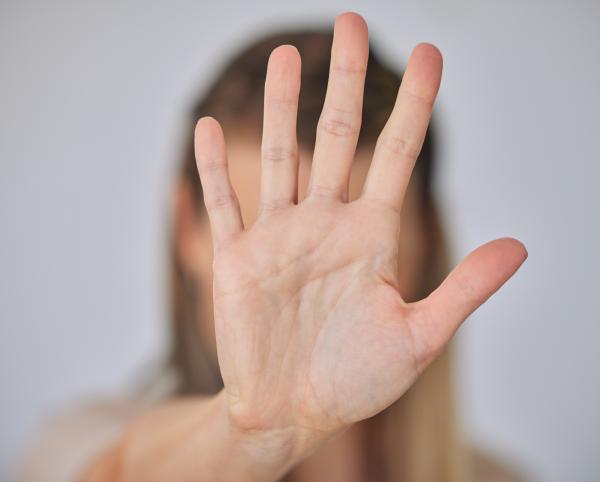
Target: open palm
311,329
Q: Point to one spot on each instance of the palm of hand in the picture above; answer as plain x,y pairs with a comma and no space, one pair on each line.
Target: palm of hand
308,327
311,329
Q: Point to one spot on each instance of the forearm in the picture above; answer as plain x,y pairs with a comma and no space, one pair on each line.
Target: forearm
194,440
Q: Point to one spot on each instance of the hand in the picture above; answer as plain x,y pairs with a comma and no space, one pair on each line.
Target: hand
312,333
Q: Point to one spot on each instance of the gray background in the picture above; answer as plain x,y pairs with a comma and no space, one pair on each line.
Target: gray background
92,97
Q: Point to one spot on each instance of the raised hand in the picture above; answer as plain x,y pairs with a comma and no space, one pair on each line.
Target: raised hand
312,332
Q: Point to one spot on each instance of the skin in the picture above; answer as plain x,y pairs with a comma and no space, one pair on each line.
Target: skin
342,458
193,234
312,332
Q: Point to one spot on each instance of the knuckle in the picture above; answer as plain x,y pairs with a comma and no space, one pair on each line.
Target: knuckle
339,123
464,286
419,99
277,153
382,203
322,191
274,204
219,201
209,165
401,146
350,68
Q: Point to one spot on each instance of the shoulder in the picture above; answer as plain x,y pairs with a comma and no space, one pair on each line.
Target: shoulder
68,441
71,439
488,469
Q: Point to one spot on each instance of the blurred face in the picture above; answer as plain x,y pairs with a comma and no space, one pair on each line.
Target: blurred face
195,244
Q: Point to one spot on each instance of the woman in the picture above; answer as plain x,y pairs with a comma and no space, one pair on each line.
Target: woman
323,286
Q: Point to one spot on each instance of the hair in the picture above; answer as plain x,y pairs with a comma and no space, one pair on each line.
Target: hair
416,439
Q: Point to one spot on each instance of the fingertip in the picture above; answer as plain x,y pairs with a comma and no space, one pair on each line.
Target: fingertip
515,246
525,251
428,60
282,82
503,256
285,53
207,125
429,50
351,17
208,137
352,21
284,65
350,48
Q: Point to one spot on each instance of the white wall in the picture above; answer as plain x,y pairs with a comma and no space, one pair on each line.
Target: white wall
91,102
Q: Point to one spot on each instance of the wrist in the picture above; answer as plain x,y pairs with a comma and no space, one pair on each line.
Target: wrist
194,439
199,439
268,452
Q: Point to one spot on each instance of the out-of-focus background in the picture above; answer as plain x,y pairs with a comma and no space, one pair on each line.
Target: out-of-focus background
92,101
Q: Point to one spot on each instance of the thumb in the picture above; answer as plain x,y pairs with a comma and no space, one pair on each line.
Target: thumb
477,277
